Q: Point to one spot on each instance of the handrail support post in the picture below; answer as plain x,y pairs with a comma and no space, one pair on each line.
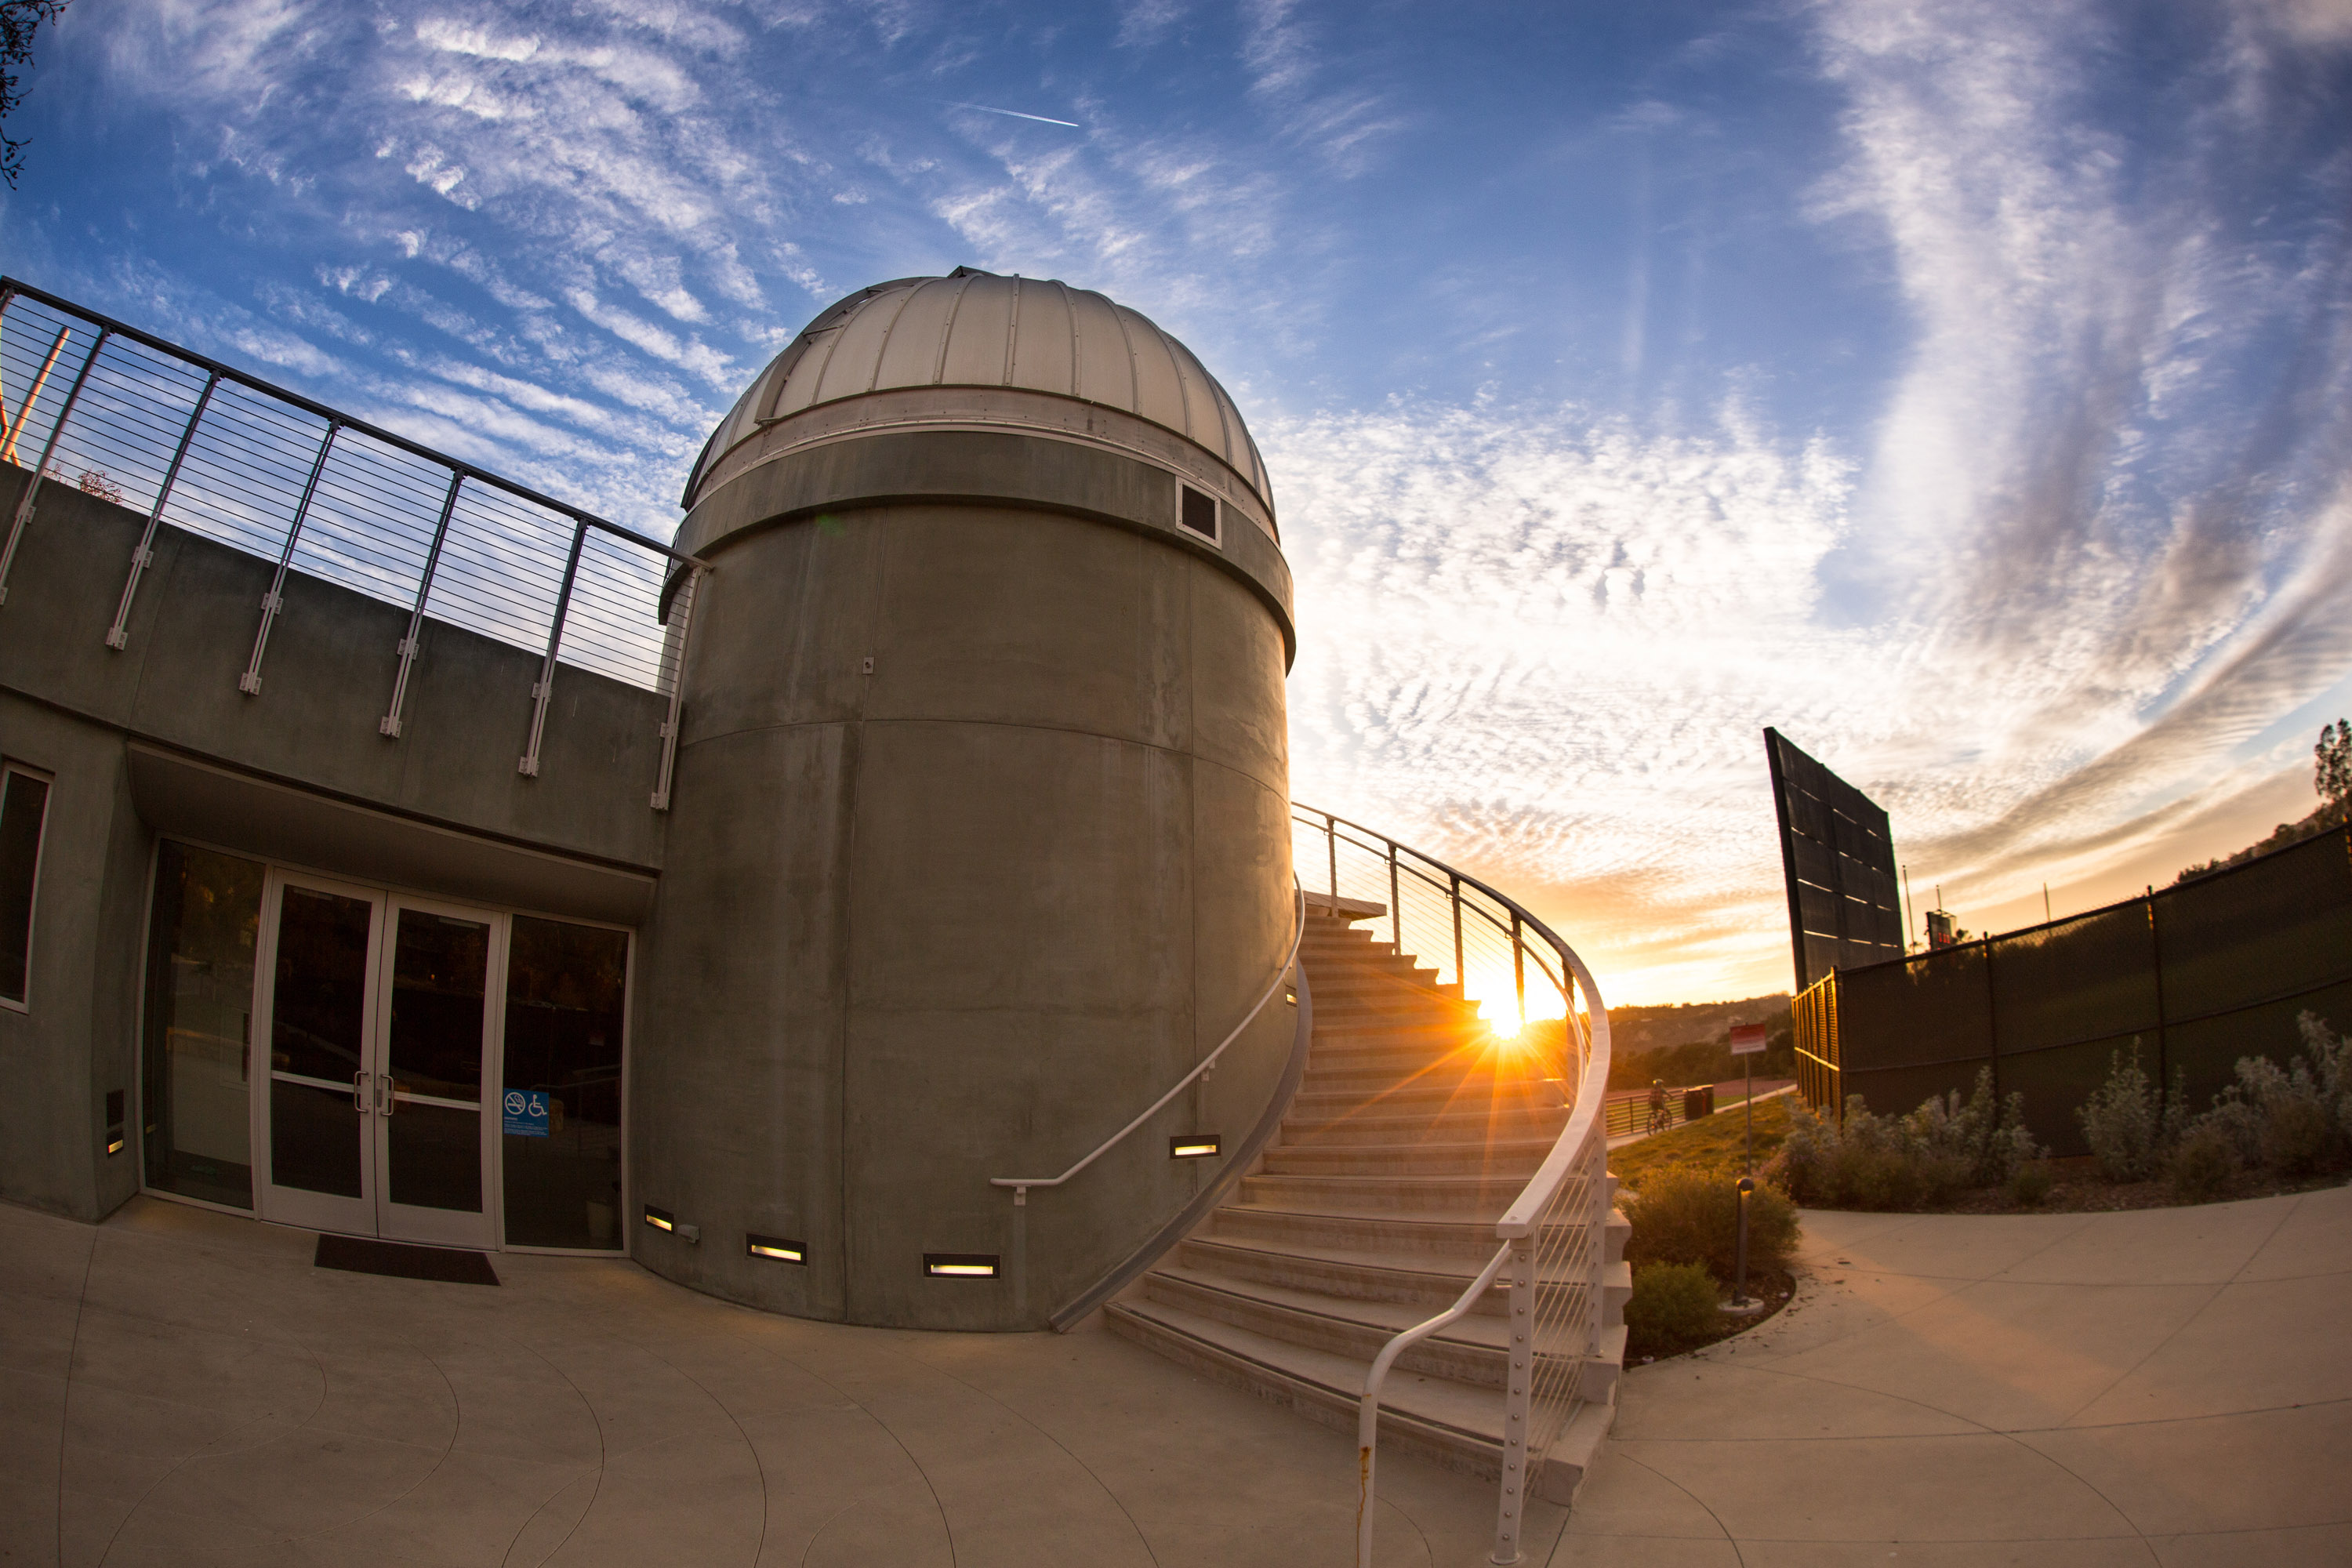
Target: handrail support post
1518,1401
49,448
118,635
275,600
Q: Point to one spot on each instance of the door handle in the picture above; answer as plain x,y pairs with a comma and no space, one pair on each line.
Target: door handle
386,1091
359,1092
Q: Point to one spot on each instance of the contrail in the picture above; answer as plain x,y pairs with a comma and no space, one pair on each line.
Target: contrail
1016,114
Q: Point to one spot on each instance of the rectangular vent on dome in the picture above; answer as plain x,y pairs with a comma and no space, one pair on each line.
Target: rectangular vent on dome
1199,513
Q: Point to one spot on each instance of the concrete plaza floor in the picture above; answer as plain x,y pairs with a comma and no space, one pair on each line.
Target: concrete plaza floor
183,1387
2170,1386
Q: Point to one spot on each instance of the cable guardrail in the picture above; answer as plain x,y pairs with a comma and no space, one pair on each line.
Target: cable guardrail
187,441
1552,1250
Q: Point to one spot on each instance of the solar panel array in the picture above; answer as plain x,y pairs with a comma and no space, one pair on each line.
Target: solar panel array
1845,905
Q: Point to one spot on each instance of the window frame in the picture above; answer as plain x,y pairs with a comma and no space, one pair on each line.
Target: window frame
10,766
1218,507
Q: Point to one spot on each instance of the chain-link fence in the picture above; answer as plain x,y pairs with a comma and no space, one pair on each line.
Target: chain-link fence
2196,975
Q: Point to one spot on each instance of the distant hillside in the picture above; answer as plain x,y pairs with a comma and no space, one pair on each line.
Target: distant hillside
1691,1041
2319,821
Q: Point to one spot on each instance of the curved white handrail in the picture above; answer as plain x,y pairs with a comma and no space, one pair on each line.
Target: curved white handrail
1368,1414
1021,1184
1520,1222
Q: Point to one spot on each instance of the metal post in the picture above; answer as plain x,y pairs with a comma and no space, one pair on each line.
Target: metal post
1517,1398
1740,1268
118,635
677,691
11,428
275,600
2155,966
1519,969
529,766
49,447
1461,980
1331,842
389,724
1396,906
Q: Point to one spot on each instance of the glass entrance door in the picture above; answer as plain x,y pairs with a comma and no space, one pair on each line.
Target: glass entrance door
433,1146
316,995
377,1013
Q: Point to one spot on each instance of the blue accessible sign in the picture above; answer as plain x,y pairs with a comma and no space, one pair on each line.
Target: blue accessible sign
526,1113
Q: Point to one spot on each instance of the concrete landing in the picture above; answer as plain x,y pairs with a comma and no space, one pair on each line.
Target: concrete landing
2171,1388
229,1404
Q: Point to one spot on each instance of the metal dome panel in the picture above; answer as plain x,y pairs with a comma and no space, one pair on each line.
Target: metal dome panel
974,329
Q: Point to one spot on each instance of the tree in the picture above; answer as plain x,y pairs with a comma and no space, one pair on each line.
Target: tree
19,20
2331,773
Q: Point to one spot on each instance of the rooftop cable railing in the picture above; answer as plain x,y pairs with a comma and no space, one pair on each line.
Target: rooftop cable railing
1551,1247
183,439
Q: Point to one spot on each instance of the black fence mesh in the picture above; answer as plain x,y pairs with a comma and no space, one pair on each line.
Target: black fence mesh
2193,977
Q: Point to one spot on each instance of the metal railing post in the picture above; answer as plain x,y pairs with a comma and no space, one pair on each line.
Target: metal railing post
678,693
1517,1400
11,427
275,600
49,448
118,635
1460,977
1519,969
1331,841
1396,905
529,766
389,724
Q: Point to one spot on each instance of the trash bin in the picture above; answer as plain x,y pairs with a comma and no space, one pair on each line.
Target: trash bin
1699,1102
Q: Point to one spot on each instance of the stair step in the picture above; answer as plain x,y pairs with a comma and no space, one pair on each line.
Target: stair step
1505,1121
1484,1196
1458,1424
1467,1157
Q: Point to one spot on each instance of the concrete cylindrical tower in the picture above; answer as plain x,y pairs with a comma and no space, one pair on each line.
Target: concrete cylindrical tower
981,837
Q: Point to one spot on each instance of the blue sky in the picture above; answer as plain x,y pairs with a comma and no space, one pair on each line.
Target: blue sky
1965,389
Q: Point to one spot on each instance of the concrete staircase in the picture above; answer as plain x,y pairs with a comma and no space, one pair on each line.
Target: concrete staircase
1372,1212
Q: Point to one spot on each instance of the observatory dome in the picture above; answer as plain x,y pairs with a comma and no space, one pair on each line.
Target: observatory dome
976,350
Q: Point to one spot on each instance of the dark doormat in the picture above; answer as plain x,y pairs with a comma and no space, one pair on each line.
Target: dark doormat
360,1255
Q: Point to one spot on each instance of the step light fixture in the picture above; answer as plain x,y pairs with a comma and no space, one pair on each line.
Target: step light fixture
114,1120
1193,1146
959,1265
660,1219
777,1247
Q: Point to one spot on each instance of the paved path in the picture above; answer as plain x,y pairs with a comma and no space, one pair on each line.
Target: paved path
2172,1386
229,1404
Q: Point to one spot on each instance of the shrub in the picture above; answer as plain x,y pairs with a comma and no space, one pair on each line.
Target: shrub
2124,1122
1687,1215
2292,1122
1673,1307
2203,1164
2029,1184
1872,1162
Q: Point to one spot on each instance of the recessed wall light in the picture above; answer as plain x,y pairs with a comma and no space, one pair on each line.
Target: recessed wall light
1192,1146
777,1247
959,1265
660,1219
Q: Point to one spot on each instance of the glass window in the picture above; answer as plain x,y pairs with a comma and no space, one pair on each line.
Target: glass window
24,802
199,1025
566,1000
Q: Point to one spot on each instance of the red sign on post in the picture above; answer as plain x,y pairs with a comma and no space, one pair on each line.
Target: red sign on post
1747,1039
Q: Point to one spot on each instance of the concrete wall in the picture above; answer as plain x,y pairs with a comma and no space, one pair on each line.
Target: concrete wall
960,914
73,706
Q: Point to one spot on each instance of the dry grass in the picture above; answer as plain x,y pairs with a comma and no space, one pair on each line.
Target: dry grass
1713,1144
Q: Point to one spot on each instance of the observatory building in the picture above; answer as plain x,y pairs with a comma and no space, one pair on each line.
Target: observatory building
935,820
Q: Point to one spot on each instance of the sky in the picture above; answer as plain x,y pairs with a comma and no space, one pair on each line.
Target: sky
1964,389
